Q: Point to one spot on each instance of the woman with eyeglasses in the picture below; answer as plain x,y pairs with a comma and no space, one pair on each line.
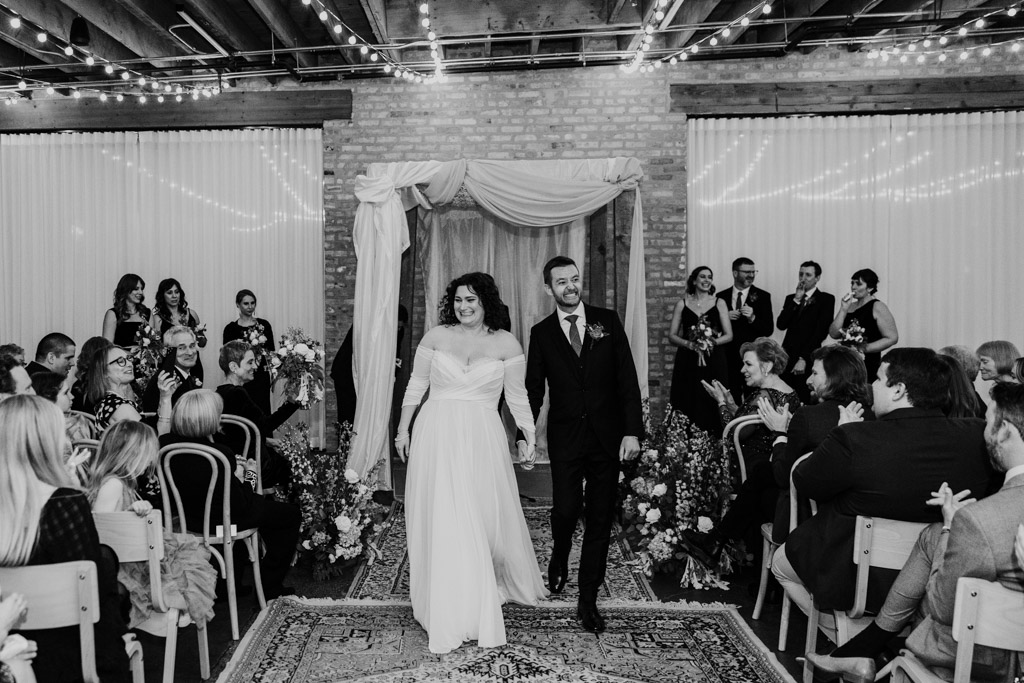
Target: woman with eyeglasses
109,388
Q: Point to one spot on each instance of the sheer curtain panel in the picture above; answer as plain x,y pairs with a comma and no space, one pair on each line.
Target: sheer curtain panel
217,210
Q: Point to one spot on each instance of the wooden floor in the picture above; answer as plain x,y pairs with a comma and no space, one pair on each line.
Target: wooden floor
535,484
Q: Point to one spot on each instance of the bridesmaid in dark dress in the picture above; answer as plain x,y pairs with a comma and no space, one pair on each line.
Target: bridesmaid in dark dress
873,316
258,333
700,303
122,322
171,309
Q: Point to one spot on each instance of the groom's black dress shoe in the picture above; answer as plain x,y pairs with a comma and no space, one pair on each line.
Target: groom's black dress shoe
558,573
589,617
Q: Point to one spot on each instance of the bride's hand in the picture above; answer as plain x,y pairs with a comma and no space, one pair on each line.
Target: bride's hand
402,446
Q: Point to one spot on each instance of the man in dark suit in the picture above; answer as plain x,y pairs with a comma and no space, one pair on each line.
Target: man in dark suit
886,468
182,356
750,310
595,418
54,353
806,315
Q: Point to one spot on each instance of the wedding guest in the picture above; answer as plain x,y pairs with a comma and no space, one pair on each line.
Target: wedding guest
196,419
127,453
56,388
239,365
750,312
806,315
13,378
699,308
109,389
14,351
962,400
79,401
121,323
878,327
182,349
16,653
996,360
55,353
1018,370
258,333
171,310
970,364
45,521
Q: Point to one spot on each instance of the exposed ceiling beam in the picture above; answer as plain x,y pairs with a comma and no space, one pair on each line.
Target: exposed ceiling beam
647,9
285,28
692,12
796,8
613,12
912,8
13,57
55,18
225,25
377,16
136,35
736,13
455,18
339,39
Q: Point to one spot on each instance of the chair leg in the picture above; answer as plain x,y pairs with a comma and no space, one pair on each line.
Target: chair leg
767,553
204,650
229,560
170,644
784,622
811,642
253,544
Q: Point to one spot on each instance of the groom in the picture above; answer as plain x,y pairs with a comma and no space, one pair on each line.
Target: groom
595,419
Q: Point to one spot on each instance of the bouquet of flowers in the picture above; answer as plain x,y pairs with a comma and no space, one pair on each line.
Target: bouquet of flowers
256,337
679,482
703,337
853,335
338,514
146,354
298,364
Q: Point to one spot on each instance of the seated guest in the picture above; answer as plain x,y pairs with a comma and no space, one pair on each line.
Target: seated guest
182,356
238,362
974,539
13,350
55,353
16,653
962,400
837,378
971,365
109,389
44,521
196,419
54,387
1018,370
885,468
82,365
996,360
13,378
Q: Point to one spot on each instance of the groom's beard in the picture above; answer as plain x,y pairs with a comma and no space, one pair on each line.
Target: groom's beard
562,301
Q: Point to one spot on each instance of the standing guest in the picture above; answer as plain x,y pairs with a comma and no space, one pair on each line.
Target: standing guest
996,361
55,353
79,401
45,521
122,322
180,362
691,365
806,316
595,419
109,389
258,333
874,318
14,351
970,364
13,378
171,310
886,468
750,311
239,365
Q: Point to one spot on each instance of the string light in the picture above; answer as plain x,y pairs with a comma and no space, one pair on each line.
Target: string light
15,22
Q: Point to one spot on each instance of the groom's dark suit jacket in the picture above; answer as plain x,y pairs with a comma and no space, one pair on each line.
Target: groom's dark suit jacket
598,389
806,325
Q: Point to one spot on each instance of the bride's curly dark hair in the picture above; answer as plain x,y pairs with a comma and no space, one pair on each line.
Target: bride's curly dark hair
483,285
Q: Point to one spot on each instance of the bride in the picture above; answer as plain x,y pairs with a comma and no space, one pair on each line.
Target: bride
469,548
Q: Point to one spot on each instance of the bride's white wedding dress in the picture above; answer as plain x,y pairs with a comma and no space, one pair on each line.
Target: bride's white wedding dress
469,548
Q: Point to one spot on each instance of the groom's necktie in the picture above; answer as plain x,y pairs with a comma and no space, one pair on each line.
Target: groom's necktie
739,301
574,334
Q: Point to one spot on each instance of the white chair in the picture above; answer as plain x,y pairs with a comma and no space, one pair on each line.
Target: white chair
87,416
986,613
140,539
67,594
253,442
878,542
737,426
226,534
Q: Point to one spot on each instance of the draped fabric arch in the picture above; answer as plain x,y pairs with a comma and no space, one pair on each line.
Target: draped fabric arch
531,193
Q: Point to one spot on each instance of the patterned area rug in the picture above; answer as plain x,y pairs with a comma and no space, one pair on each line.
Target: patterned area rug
388,577
373,642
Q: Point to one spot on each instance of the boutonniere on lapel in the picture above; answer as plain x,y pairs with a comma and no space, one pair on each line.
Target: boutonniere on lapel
751,298
196,381
596,332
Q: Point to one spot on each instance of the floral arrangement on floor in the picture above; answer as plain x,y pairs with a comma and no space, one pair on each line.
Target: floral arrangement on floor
256,336
339,516
703,337
298,363
853,335
146,354
679,482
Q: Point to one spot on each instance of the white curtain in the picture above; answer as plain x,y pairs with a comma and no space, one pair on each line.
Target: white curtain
932,203
539,194
218,210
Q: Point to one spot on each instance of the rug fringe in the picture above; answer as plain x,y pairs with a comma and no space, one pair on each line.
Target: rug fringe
347,601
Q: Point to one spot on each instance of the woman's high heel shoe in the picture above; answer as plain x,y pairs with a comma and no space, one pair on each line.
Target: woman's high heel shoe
850,669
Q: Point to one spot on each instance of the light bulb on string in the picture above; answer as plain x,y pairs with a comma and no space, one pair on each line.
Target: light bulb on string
659,15
942,57
726,32
903,59
351,40
41,37
648,39
964,55
1012,12
103,97
109,68
338,29
125,75
713,41
15,22
424,8
323,15
986,52
927,42
90,60
648,29
912,47
195,94
645,47
364,50
142,81
767,9
980,23
673,61
168,88
120,97
387,68
1015,47
142,99
307,2
177,98
178,89
76,94
69,50
920,59
50,90
745,21
962,32
373,57
425,22
22,84
431,35
943,40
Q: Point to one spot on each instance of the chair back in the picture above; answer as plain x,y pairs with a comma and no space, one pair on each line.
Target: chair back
880,542
253,442
136,539
83,471
736,427
986,613
87,416
217,462
794,502
60,595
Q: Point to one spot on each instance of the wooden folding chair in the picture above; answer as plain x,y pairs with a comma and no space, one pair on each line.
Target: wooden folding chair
253,442
67,594
878,542
140,539
226,534
986,613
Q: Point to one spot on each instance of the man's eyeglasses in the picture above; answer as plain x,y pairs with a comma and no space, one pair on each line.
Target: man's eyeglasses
747,272
187,347
120,362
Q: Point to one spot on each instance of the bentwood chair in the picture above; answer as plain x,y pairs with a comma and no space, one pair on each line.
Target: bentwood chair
253,442
733,431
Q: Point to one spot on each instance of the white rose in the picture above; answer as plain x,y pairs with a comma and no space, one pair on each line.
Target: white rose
659,490
704,524
301,349
351,476
622,476
306,545
310,356
332,558
642,507
283,351
653,515
262,339
343,523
